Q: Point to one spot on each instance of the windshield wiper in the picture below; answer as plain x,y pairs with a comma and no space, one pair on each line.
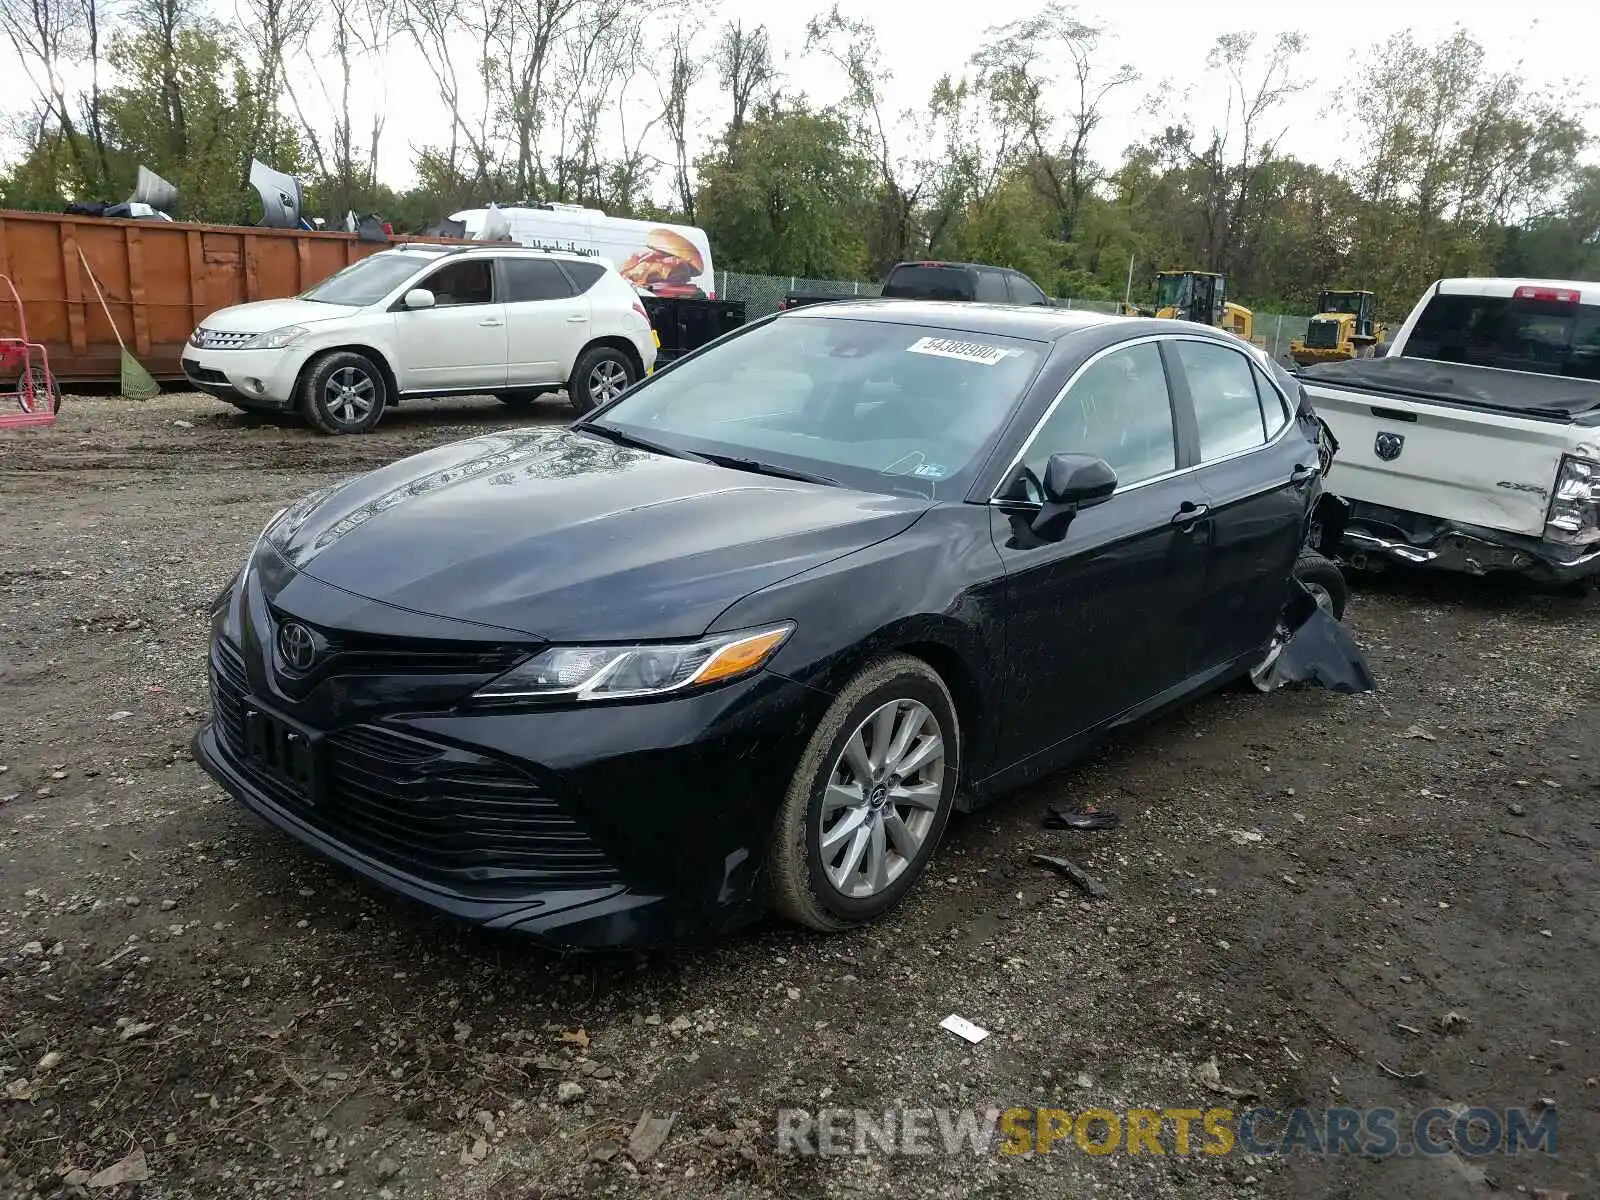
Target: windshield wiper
763,468
612,434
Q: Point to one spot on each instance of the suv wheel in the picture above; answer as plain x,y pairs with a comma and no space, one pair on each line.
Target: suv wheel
870,799
343,392
602,374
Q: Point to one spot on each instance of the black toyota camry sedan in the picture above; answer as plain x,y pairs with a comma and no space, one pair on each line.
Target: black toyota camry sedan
742,639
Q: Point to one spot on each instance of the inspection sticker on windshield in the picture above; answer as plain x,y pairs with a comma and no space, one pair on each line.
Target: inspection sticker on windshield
974,352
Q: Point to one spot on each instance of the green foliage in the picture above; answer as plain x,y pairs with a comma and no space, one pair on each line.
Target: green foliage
1460,169
788,195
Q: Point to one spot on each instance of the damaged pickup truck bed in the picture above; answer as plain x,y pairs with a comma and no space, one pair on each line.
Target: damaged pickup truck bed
1474,445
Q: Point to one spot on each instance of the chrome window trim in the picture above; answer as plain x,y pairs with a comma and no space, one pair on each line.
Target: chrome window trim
1156,338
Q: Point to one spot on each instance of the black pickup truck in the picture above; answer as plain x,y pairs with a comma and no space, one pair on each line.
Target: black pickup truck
945,281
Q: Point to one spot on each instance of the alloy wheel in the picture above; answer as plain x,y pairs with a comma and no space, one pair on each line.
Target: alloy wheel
349,394
881,799
607,380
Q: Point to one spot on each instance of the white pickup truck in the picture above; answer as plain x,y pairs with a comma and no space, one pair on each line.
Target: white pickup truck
1473,443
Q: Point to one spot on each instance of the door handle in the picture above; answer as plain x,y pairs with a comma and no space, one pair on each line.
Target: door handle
1304,473
1189,515
576,320
491,322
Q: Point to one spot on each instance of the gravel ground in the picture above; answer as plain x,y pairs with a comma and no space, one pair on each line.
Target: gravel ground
1304,886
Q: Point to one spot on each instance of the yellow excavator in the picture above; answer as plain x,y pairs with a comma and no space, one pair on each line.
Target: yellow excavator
1344,327
1200,296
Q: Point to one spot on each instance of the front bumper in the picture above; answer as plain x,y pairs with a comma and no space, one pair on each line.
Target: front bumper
255,378
1373,535
633,825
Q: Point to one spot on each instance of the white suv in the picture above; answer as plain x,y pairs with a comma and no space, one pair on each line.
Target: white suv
429,321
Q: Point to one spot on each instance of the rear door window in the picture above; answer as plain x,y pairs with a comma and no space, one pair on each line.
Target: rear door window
992,287
1023,291
1227,406
931,282
1546,337
534,279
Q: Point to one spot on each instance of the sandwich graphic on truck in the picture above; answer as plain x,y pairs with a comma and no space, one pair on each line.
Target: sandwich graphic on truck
658,259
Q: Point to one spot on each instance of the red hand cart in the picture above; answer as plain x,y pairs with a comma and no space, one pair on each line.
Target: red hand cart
27,365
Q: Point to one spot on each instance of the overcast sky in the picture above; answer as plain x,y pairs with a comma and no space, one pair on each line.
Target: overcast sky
1166,40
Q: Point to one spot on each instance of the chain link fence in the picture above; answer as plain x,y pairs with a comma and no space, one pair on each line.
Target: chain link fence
761,294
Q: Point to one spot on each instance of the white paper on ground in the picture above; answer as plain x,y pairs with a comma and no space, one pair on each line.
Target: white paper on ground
964,1028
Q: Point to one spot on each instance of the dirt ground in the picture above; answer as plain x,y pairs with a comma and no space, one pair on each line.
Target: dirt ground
1304,886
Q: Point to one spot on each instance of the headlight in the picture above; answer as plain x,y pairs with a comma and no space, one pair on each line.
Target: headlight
275,339
624,672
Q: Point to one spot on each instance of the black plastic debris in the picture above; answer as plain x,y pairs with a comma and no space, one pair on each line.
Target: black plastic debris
1085,881
1319,650
1084,818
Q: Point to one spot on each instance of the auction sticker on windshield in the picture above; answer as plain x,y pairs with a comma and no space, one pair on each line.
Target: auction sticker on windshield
975,352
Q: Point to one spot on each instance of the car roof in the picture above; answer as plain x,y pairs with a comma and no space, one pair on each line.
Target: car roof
1010,320
434,250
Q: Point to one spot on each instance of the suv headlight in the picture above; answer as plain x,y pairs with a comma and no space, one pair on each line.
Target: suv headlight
275,339
1574,515
568,673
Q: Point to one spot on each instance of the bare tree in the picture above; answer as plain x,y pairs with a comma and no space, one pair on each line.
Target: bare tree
1015,71
1235,204
744,65
273,29
674,85
47,37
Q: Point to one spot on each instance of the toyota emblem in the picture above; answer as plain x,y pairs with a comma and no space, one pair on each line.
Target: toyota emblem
298,646
1388,446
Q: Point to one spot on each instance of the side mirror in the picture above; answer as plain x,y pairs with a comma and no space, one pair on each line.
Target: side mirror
1071,482
419,298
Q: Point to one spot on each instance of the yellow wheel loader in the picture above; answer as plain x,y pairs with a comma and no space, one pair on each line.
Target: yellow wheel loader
1343,328
1199,296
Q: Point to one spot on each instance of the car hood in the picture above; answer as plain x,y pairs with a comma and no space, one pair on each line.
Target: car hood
263,315
561,535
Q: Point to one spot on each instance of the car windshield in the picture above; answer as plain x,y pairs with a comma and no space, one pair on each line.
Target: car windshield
875,405
368,281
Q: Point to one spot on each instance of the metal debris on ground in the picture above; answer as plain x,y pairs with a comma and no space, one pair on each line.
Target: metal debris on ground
1086,818
1075,873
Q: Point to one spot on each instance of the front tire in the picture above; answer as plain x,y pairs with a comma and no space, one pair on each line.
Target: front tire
603,373
343,392
869,800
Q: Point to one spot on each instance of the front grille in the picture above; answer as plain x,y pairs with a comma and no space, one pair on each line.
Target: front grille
228,689
434,811
364,654
1323,335
218,339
